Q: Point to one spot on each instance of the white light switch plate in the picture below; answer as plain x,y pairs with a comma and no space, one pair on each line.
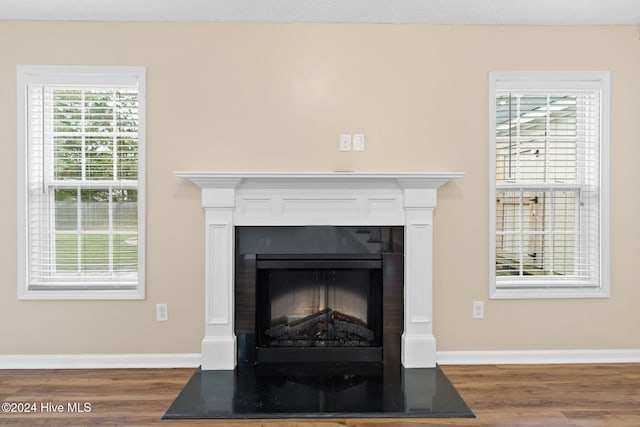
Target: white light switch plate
345,142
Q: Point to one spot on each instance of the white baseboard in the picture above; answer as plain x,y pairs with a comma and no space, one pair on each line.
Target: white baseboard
193,360
98,361
527,357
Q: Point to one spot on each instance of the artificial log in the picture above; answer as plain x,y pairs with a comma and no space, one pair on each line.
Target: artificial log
326,324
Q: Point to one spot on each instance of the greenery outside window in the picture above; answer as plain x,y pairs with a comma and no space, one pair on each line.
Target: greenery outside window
549,139
81,182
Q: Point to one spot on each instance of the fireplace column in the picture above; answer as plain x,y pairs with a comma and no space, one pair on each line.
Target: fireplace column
418,342
219,342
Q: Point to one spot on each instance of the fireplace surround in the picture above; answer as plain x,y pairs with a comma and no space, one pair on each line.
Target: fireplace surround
318,293
359,199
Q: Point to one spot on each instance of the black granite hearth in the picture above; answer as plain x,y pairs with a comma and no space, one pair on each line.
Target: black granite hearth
316,390
352,366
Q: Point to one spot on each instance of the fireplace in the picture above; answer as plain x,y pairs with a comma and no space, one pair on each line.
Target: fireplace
318,293
319,308
234,201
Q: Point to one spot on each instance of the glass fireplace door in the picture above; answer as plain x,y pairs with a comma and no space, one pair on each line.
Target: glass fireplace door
309,303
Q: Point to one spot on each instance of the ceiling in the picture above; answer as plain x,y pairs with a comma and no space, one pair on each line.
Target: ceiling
499,12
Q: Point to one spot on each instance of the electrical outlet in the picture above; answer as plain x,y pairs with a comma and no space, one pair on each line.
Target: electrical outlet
358,142
478,310
162,312
345,142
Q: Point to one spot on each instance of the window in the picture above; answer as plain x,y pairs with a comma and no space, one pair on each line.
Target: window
81,182
549,145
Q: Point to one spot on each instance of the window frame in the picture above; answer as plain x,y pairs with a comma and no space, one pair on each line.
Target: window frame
74,75
552,80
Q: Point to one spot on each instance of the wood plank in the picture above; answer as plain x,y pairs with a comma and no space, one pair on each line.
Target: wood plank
541,395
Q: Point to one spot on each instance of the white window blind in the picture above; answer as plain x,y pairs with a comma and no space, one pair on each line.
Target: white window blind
549,192
83,151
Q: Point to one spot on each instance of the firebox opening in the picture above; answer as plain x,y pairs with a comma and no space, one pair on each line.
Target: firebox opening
319,307
319,294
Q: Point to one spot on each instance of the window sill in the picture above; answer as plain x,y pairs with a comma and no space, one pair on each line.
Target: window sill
548,293
57,294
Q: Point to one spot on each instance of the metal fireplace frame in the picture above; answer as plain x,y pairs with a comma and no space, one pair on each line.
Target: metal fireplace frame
266,263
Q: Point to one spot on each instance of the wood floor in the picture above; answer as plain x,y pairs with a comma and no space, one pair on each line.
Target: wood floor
503,395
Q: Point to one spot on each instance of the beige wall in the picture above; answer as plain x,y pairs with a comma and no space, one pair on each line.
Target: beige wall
275,97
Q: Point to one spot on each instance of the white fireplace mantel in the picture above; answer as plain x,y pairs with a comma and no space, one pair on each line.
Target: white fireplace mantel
233,199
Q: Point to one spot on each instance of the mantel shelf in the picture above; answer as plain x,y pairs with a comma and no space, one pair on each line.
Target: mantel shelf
206,179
